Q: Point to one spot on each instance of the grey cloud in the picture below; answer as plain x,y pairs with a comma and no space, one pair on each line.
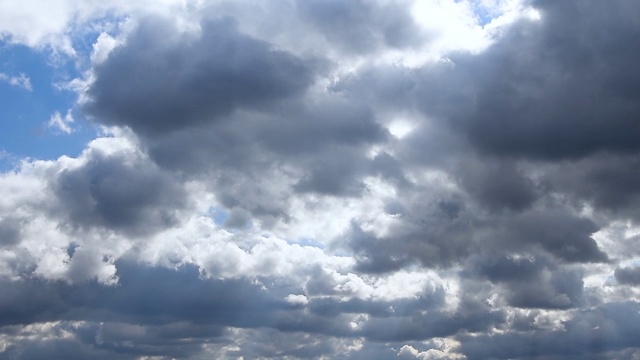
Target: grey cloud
362,26
550,89
172,312
85,264
118,191
308,126
335,172
561,291
145,295
9,231
161,81
229,109
291,133
445,231
435,324
35,349
606,182
498,185
532,281
153,311
435,232
238,218
612,327
319,282
628,275
566,236
178,340
330,306
513,142
388,167
505,268
255,160
267,343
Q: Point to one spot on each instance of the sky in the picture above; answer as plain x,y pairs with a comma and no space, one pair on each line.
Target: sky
320,179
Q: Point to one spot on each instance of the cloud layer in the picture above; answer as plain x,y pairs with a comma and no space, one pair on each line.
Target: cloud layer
326,179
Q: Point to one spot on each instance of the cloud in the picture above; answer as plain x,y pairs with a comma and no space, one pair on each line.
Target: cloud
118,191
593,332
21,81
55,25
62,124
628,275
201,77
324,179
547,89
9,231
531,281
360,26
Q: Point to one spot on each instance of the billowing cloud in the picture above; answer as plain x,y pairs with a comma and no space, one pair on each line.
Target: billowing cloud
163,80
547,89
322,179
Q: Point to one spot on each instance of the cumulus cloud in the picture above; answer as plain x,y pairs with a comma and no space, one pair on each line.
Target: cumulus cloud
325,179
201,76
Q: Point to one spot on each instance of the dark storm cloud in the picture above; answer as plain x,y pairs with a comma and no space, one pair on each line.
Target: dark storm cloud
559,232
171,312
469,317
362,26
152,311
150,295
177,340
435,232
530,281
561,87
118,192
504,269
43,347
606,182
628,275
295,132
160,80
548,89
445,231
551,91
611,327
336,171
498,185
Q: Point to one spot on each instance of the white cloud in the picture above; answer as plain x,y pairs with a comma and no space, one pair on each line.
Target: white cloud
62,124
21,81
297,299
53,23
101,48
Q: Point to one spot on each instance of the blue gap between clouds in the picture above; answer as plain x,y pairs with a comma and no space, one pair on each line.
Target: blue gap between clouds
25,114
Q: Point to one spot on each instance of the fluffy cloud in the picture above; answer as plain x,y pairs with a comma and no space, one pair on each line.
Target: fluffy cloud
324,179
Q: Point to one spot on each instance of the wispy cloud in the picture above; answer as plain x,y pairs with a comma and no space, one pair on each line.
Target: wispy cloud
21,81
59,123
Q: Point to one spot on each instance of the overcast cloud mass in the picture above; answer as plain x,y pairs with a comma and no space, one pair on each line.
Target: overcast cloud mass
326,179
